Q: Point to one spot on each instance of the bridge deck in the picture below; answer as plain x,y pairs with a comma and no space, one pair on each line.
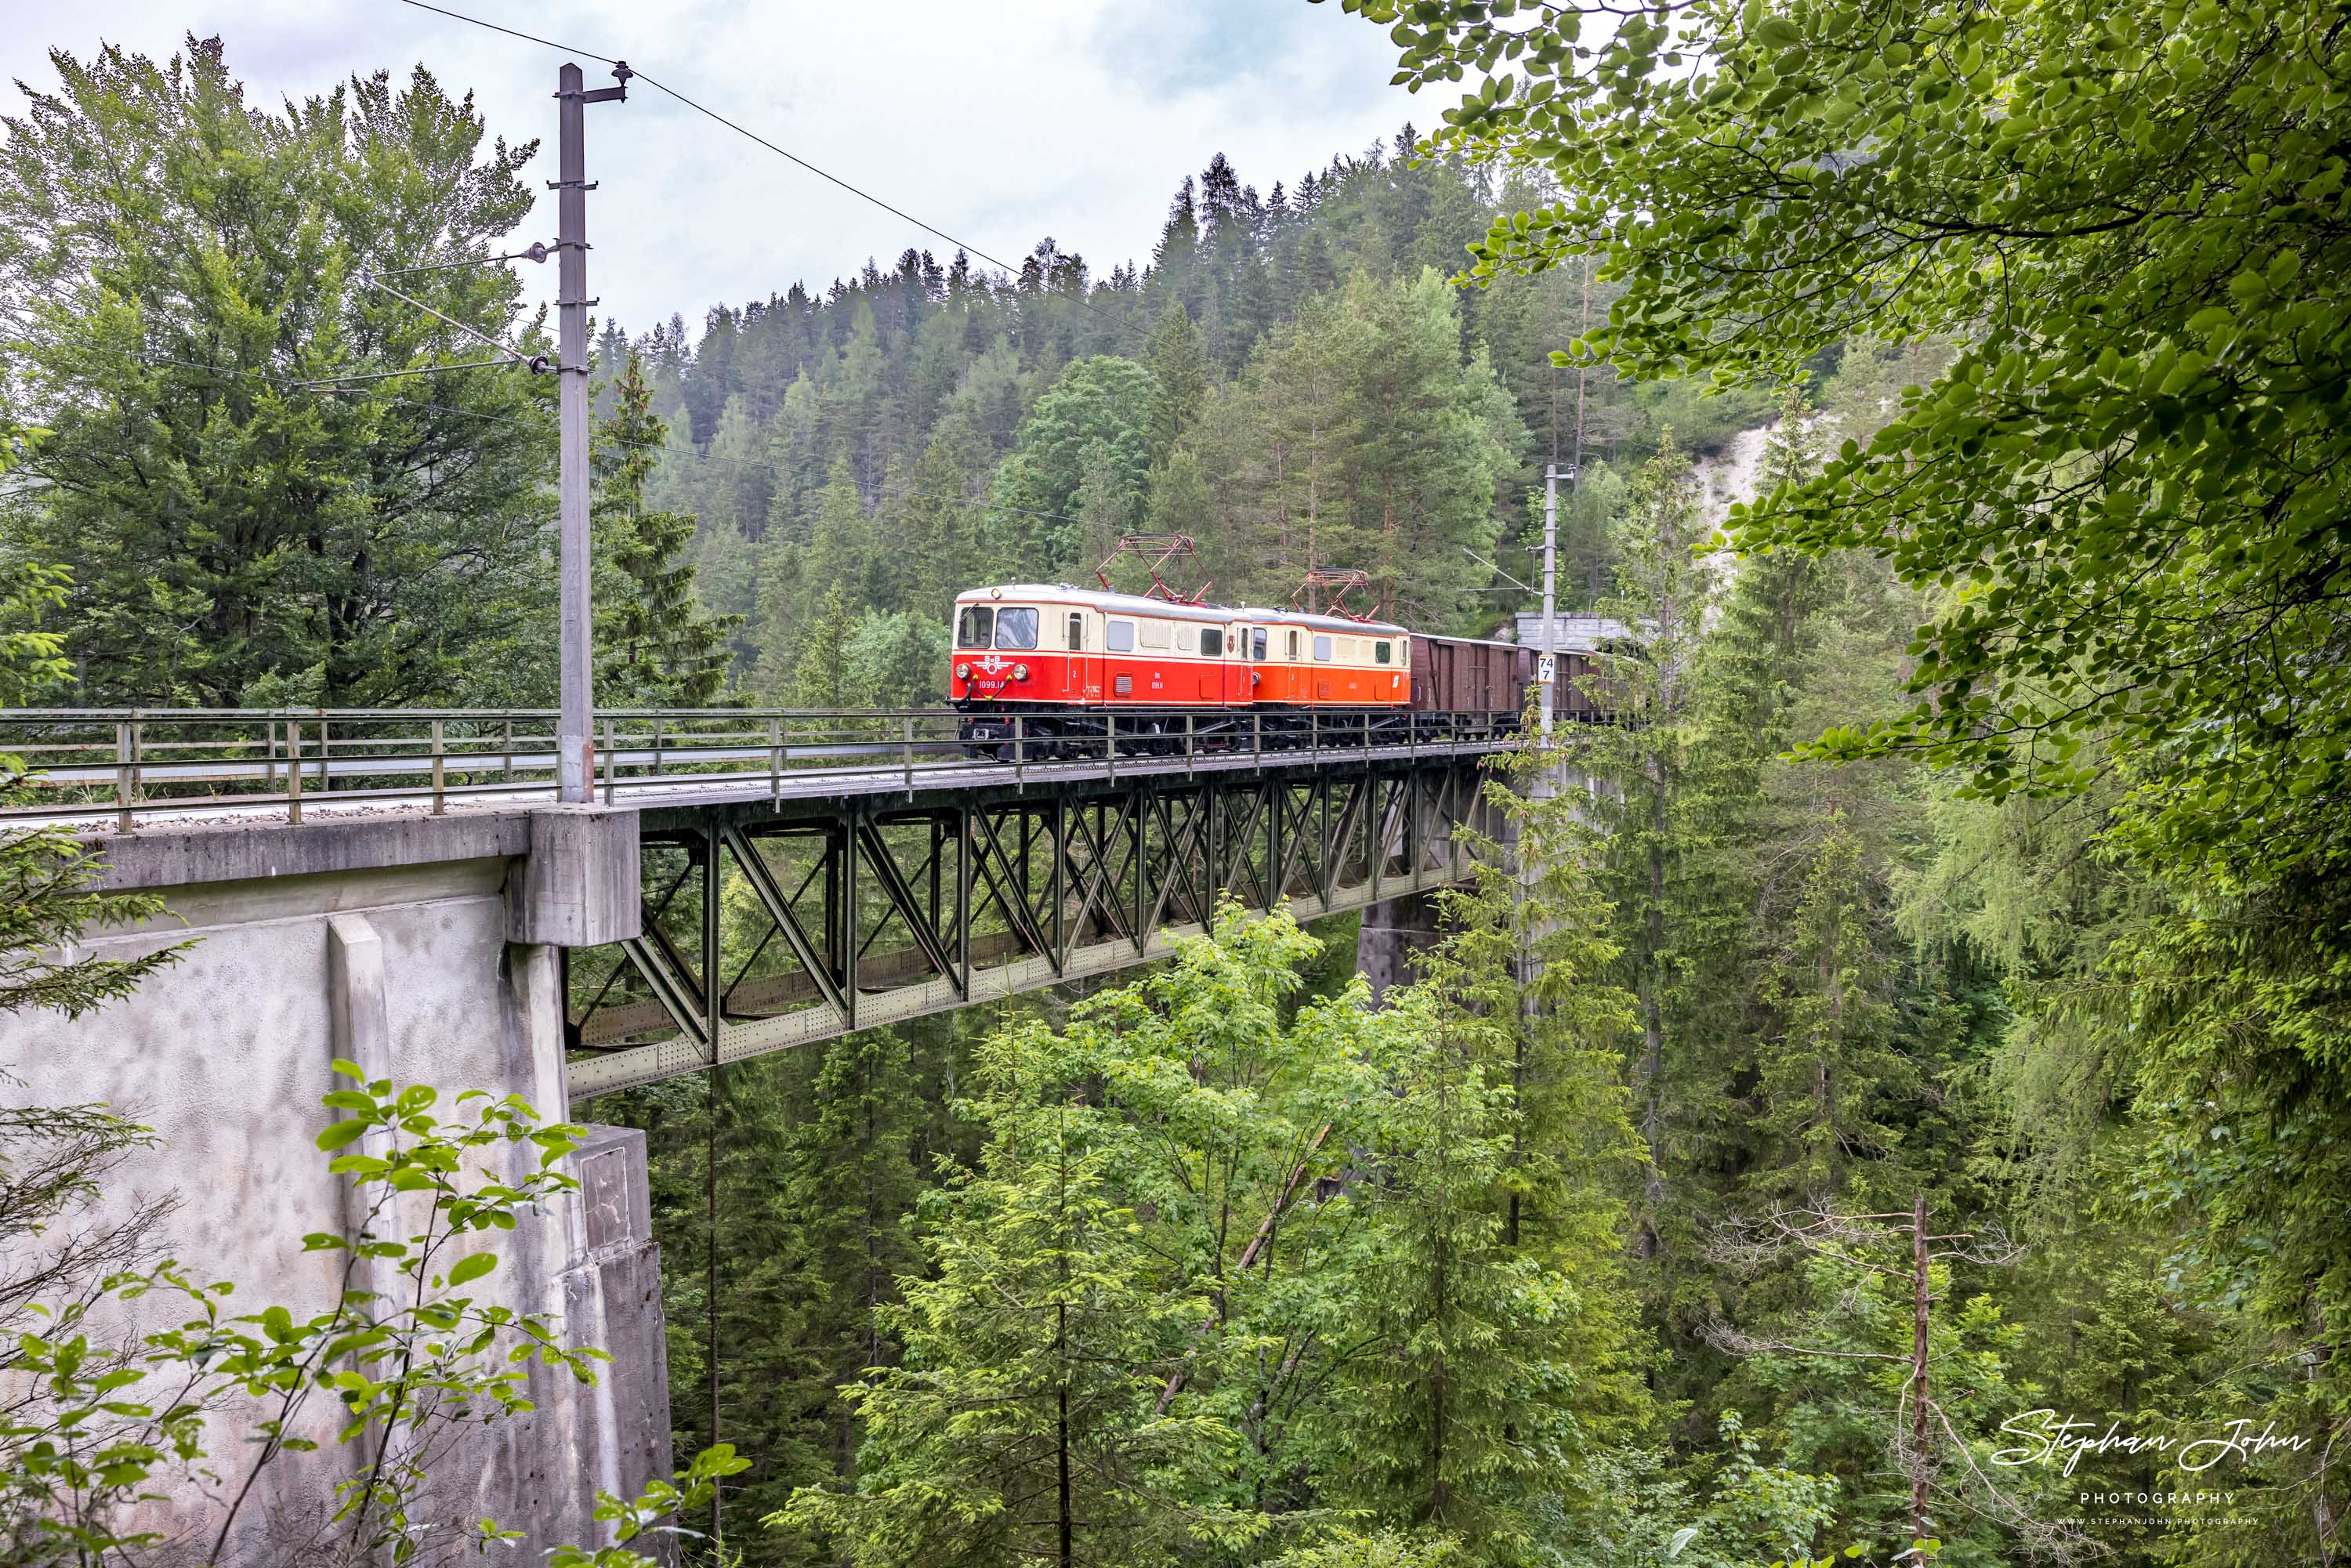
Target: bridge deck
94,770
789,877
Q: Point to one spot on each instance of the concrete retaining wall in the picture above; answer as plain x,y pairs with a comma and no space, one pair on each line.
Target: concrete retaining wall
388,942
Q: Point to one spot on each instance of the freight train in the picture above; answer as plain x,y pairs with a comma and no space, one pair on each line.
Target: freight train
1068,661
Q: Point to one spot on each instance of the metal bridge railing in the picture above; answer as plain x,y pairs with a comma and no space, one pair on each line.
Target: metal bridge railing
121,766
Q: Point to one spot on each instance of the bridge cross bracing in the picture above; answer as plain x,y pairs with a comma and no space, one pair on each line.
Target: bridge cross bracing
802,875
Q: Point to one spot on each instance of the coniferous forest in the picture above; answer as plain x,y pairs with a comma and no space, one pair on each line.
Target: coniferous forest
1936,1031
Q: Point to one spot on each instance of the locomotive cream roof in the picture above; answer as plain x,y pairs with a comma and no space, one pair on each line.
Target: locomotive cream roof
1167,610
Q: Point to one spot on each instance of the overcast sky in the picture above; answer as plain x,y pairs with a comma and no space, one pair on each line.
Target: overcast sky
1001,121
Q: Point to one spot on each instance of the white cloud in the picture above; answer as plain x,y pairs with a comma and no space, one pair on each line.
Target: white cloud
1000,123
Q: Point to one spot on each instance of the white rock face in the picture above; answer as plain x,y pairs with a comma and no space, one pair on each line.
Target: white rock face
1729,476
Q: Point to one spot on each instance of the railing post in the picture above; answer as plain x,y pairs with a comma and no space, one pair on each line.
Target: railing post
506,743
1020,750
1110,746
125,765
910,754
294,771
1187,746
657,747
608,760
438,754
326,757
1257,739
775,758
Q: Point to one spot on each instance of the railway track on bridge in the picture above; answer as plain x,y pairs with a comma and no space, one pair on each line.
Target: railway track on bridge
119,770
786,876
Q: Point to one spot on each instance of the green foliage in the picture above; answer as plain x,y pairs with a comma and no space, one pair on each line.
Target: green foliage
1091,433
897,661
1003,428
631,1518
1387,1549
46,903
1248,1264
1179,379
821,679
412,1353
2121,481
1034,1347
2076,261
188,269
406,1353
655,646
1359,435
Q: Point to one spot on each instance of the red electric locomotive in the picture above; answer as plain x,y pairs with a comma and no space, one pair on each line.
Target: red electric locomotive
1066,660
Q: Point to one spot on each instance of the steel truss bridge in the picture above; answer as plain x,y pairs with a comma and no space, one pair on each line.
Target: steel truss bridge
804,875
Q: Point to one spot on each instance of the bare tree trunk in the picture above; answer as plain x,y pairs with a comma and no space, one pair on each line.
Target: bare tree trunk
710,1199
1653,1010
1918,1367
1061,1445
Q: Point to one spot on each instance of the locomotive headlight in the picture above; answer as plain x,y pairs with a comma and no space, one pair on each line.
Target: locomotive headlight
1019,672
963,672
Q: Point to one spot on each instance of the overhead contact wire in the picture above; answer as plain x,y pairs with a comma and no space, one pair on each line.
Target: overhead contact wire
705,109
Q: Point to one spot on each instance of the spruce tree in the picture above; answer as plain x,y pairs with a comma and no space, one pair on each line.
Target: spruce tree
1496,1359
1827,1064
822,680
45,898
1179,376
940,503
1180,501
808,1306
1661,599
655,647
184,276
1019,1424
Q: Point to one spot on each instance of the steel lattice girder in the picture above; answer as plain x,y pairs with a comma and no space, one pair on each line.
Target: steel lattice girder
803,920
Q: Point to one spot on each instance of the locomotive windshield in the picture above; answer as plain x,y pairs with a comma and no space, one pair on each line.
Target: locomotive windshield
982,626
1016,628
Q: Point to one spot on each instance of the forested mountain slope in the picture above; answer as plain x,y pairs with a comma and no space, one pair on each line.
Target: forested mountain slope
1291,378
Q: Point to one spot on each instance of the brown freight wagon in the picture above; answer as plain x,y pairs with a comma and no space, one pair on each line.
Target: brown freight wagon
1464,674
1582,694
1468,675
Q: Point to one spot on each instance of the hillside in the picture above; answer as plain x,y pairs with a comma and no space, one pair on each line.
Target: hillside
1291,378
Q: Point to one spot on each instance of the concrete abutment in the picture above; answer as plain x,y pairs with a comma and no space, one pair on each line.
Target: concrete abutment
424,950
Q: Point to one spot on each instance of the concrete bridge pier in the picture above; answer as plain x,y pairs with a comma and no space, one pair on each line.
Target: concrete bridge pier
427,949
1392,935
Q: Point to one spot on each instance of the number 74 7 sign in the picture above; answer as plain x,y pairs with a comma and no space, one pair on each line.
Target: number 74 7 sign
1546,669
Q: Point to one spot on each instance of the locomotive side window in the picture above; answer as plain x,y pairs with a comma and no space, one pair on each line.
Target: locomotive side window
1121,636
1322,649
978,620
1212,642
1184,638
1293,642
1257,643
1347,652
1016,628
1380,653
1154,633
1077,632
